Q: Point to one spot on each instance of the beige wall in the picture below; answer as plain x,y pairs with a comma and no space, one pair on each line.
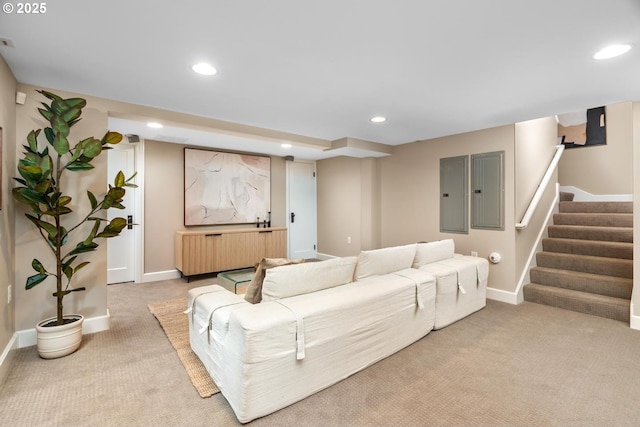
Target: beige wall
164,202
8,125
410,188
339,185
535,143
603,169
395,200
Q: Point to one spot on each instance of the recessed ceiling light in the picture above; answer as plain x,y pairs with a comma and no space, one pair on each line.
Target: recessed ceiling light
154,125
378,119
612,51
285,145
204,69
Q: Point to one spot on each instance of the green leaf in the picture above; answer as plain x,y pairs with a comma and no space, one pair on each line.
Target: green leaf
92,200
43,187
47,114
71,115
30,172
61,106
81,265
92,148
79,166
114,228
77,151
112,138
59,125
46,163
44,225
114,196
69,262
51,96
61,144
57,211
37,266
64,200
119,180
83,248
50,134
34,280
94,231
28,196
68,271
32,139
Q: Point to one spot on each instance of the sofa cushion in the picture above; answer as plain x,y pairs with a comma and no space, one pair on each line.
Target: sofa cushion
290,280
426,253
385,260
254,290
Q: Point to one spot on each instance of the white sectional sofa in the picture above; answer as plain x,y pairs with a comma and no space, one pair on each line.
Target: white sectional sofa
321,322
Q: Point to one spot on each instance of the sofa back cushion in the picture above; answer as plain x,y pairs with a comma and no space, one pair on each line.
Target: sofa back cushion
386,260
426,253
290,280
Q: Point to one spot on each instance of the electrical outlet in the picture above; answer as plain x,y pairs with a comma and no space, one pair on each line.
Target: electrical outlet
349,240
9,294
474,253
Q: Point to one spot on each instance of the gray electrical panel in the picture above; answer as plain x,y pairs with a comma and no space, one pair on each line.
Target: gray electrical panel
487,186
454,194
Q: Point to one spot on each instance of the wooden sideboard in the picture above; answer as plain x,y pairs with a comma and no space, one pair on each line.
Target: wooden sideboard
209,251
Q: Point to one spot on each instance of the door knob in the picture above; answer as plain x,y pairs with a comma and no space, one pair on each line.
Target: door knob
293,217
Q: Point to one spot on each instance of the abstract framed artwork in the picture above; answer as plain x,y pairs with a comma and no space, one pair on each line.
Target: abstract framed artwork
583,128
225,188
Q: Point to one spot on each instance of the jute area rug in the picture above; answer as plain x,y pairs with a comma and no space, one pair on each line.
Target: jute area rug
176,325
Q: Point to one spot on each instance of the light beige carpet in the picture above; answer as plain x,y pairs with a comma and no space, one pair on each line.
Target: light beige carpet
175,323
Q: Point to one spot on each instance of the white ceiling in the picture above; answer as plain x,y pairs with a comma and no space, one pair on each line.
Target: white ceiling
322,69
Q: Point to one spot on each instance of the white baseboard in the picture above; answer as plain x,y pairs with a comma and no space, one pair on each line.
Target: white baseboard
635,320
160,275
7,356
502,296
585,196
323,257
27,337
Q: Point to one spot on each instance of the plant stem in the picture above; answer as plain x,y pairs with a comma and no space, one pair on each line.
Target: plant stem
58,242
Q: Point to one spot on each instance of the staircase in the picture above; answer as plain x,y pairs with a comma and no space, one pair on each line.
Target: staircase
587,261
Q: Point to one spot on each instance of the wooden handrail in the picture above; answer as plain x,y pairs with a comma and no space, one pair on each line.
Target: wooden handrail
541,187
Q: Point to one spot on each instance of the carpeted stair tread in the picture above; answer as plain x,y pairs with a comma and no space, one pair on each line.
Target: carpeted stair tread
622,250
566,196
594,219
597,207
587,264
610,234
618,287
583,302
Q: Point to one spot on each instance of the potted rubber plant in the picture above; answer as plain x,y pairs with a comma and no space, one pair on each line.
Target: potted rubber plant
47,157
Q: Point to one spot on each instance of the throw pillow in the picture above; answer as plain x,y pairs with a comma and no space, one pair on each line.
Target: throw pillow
254,290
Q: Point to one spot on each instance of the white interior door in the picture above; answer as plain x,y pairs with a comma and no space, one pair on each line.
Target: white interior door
302,214
121,249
